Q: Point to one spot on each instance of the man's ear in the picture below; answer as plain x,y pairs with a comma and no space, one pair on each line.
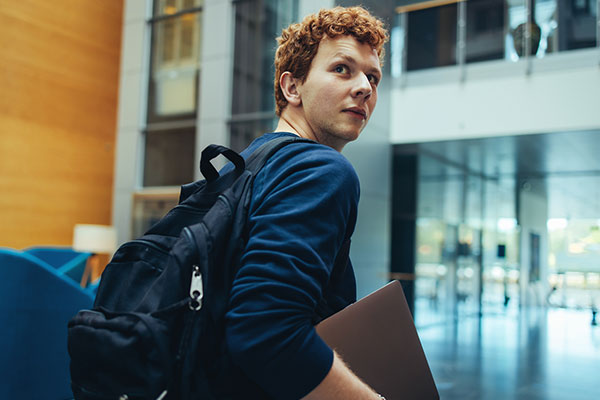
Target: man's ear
289,86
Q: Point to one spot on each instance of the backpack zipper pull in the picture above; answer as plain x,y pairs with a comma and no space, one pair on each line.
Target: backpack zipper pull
196,289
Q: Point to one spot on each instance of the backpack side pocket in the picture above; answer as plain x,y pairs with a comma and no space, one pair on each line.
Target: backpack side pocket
115,354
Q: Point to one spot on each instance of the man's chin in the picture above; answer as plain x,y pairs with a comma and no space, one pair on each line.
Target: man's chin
346,138
352,134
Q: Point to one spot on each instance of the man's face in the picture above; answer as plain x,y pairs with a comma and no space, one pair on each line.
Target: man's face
340,90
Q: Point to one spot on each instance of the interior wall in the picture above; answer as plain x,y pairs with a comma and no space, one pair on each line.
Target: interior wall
59,76
498,99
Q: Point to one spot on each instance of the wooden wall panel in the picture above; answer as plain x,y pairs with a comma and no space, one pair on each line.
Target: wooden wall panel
59,77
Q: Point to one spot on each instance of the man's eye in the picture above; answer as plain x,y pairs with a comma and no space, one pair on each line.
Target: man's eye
341,69
373,79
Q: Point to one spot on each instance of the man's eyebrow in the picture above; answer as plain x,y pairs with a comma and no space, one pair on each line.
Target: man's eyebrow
350,60
344,56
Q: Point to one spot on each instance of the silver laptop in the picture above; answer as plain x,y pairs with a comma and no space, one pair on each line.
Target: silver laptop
377,338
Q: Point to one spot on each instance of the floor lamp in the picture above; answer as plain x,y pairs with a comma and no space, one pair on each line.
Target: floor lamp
95,239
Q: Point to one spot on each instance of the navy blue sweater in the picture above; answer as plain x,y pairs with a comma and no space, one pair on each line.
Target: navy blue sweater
303,208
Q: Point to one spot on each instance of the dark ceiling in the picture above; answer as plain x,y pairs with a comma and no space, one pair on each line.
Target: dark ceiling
564,166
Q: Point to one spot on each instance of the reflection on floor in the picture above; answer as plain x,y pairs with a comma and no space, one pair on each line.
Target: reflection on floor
541,354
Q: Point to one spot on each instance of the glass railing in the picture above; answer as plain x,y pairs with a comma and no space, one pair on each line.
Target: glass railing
440,33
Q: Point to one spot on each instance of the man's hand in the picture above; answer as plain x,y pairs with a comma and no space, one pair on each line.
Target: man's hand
341,383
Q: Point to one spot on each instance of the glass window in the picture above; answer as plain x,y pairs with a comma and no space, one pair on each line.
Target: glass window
545,16
173,91
397,37
542,31
515,36
495,29
176,40
169,158
257,23
170,7
576,24
149,208
244,132
485,30
431,38
440,191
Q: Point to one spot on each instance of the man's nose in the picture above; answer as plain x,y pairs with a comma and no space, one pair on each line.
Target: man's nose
362,86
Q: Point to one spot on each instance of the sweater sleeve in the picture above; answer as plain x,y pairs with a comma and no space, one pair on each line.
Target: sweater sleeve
303,207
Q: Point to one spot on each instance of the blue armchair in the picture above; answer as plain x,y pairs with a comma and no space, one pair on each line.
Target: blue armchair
65,260
36,302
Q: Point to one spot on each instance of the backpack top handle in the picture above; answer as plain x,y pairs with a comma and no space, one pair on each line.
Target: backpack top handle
210,152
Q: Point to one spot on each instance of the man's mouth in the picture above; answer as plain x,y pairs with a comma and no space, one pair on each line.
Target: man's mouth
356,111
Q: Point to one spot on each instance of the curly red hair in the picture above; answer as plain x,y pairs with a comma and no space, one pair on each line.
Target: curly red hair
298,43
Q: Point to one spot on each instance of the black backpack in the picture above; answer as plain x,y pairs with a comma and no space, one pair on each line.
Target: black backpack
148,335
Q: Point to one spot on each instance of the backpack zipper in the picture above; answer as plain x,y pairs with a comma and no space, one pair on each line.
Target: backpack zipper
147,243
196,284
196,289
195,304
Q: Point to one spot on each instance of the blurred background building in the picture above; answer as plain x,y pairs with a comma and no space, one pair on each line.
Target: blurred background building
479,170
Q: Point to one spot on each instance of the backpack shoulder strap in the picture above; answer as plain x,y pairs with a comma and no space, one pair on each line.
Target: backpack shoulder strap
260,156
255,161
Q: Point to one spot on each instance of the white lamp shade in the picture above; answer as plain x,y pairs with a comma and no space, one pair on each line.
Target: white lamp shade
100,239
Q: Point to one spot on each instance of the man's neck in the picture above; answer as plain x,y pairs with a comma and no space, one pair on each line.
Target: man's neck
287,123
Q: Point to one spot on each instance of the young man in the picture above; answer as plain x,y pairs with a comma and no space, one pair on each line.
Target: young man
294,269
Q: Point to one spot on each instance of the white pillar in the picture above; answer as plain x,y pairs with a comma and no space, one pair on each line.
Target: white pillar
533,216
131,114
216,76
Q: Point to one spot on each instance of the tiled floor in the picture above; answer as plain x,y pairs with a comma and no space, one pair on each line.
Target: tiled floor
541,354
